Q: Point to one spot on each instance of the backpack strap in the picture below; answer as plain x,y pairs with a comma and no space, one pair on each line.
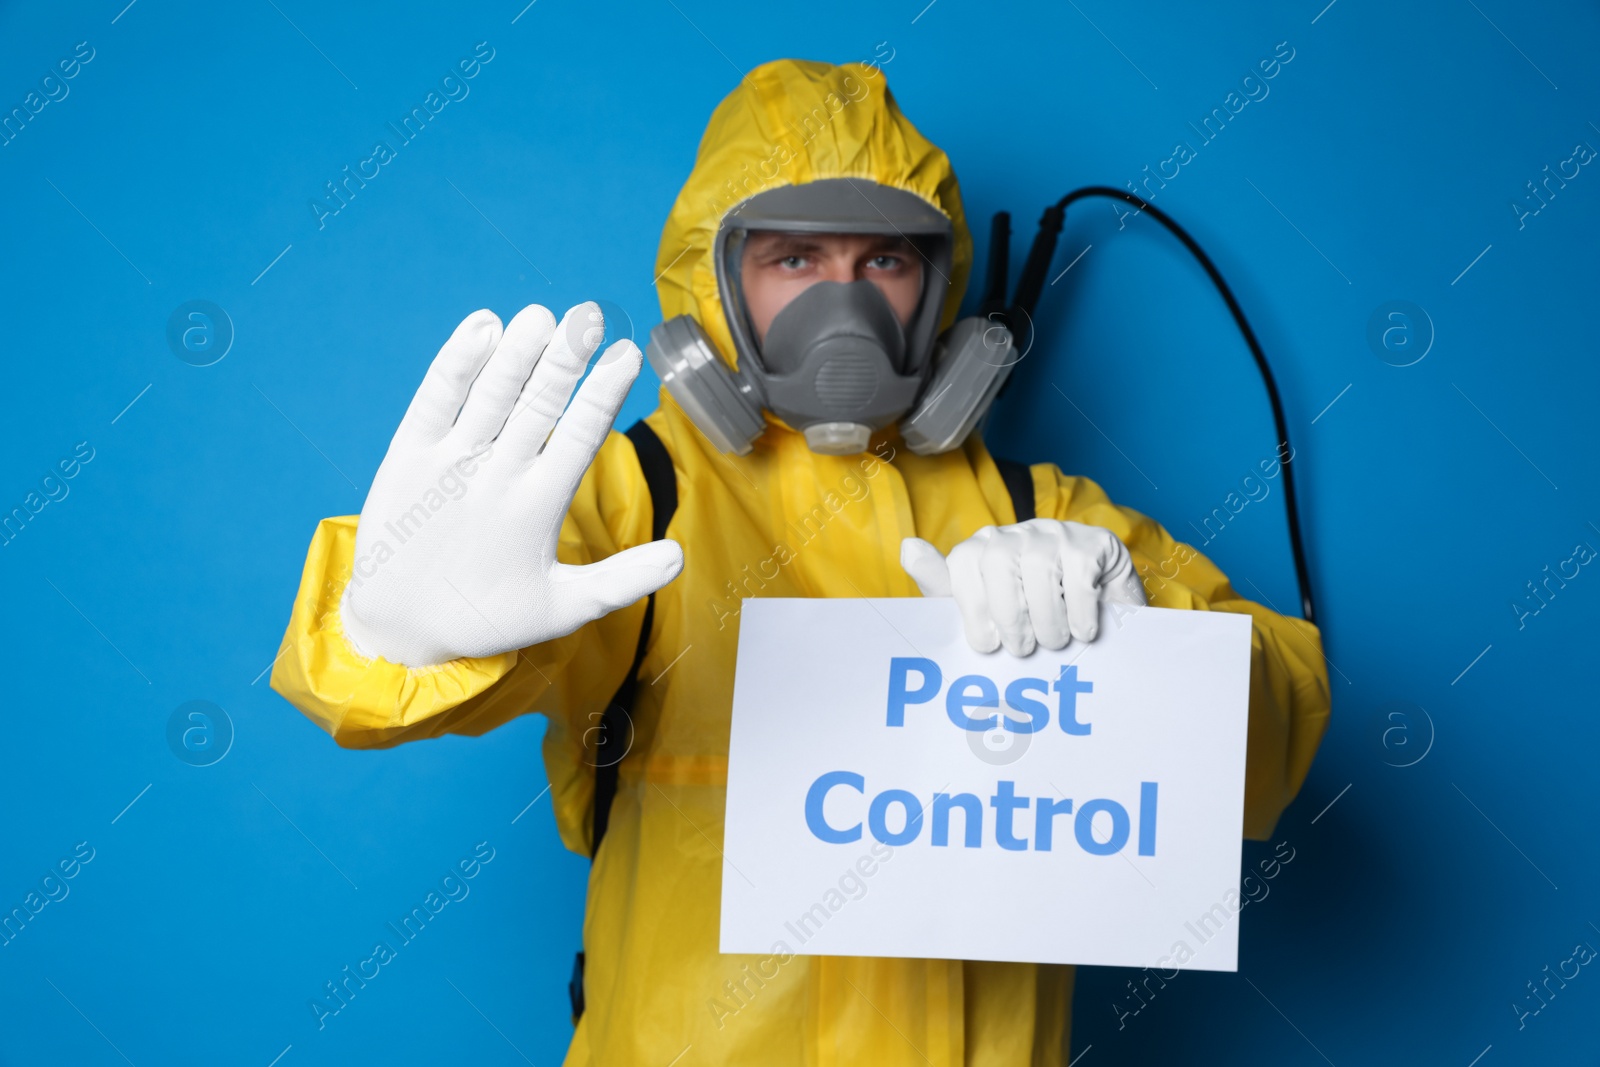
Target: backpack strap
1019,483
616,723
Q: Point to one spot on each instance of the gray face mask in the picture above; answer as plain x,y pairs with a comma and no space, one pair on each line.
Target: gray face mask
833,366
836,364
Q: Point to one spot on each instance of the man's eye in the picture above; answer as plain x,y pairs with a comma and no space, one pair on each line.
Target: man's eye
885,262
792,262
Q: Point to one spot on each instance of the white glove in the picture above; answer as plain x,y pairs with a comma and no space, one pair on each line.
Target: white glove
1037,582
456,548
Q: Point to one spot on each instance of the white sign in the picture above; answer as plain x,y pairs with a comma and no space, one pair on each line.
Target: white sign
891,792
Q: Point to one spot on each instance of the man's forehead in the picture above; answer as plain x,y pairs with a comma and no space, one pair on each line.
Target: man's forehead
770,239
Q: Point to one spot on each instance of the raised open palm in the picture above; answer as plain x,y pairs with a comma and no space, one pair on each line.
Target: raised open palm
456,547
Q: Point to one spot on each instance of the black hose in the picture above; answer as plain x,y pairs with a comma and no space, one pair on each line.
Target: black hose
1031,284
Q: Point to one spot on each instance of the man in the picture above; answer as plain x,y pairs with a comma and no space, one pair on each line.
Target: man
506,562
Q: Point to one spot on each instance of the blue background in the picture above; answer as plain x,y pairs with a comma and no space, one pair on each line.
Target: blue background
1382,164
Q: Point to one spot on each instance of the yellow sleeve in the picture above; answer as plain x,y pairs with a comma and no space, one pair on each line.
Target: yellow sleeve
372,703
1289,697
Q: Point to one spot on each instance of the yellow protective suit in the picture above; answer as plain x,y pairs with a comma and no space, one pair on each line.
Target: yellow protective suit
781,521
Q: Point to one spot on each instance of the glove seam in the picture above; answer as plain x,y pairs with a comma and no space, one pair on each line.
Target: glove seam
335,622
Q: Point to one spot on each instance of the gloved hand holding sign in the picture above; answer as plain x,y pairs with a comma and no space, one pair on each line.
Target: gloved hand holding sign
456,548
1038,582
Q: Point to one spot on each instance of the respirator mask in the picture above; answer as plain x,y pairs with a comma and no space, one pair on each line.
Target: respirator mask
836,364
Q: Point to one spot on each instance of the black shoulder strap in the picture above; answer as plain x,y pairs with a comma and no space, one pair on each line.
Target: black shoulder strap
662,482
1019,483
658,475
616,724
